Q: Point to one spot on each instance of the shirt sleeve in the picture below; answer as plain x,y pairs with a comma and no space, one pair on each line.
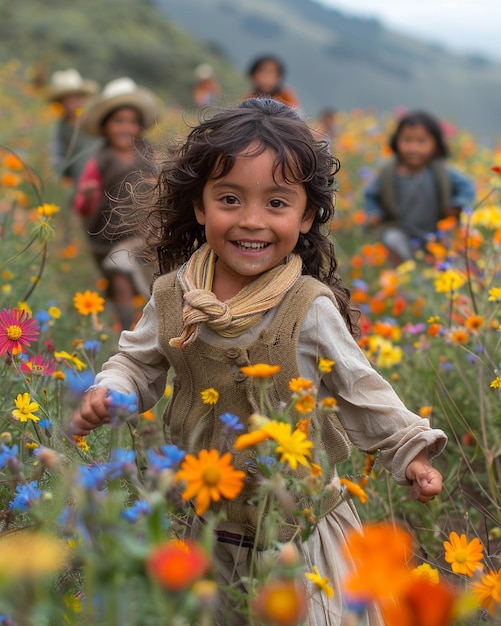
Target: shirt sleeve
139,366
84,205
370,411
463,189
372,199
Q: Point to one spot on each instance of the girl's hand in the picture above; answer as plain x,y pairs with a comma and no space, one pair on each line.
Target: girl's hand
426,481
93,412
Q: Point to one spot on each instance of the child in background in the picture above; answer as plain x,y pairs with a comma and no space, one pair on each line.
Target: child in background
120,115
241,217
267,74
415,190
69,147
206,91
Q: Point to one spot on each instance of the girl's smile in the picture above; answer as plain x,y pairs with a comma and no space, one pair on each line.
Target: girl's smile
252,218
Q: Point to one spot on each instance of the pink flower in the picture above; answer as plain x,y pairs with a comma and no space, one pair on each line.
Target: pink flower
36,366
17,331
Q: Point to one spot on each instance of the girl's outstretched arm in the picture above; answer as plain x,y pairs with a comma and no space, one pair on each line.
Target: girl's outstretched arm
426,481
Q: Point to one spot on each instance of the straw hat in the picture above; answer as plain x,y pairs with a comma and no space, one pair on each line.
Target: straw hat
68,83
121,92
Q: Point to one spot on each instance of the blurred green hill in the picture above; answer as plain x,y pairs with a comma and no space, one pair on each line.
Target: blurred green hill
105,39
337,60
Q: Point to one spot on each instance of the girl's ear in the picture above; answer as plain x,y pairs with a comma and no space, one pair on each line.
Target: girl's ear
307,221
199,212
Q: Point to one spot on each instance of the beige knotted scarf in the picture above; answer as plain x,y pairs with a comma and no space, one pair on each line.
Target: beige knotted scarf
241,312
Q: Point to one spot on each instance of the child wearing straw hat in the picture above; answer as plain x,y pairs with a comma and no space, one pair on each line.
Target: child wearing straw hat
119,115
69,147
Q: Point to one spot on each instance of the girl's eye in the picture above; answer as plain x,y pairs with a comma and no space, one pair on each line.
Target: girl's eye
230,200
276,203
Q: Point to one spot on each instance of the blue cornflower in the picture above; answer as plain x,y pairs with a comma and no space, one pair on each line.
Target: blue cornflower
43,318
25,496
92,346
268,461
121,462
7,453
123,401
45,423
138,509
170,458
79,382
231,421
91,476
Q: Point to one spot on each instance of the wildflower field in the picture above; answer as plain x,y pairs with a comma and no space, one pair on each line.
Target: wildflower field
93,530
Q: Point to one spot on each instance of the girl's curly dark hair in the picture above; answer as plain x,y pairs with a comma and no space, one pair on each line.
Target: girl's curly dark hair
210,151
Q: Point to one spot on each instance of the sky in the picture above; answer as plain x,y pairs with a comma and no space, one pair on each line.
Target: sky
461,25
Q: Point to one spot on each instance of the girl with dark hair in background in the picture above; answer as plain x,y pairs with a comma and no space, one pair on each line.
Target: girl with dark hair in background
267,75
416,189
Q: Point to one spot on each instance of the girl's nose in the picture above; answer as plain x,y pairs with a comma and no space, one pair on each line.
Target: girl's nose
252,216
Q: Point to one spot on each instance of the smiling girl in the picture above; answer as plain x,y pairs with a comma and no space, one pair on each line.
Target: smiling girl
249,276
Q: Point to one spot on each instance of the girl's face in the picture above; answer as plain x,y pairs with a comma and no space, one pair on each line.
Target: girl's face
416,147
252,220
267,77
121,128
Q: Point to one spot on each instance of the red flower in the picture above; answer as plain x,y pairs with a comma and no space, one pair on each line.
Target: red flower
17,330
177,564
496,168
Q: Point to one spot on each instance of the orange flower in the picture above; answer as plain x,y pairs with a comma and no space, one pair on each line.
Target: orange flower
12,162
329,403
10,180
488,589
422,603
247,440
177,564
298,385
474,322
281,603
464,557
434,329
377,306
380,555
354,490
325,365
447,223
260,370
304,425
148,415
425,411
88,302
460,336
305,404
208,477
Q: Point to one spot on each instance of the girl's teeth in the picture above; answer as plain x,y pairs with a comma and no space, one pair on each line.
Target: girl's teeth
251,245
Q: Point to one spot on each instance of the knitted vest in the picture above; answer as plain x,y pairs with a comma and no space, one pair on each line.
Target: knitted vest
113,219
387,187
192,426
